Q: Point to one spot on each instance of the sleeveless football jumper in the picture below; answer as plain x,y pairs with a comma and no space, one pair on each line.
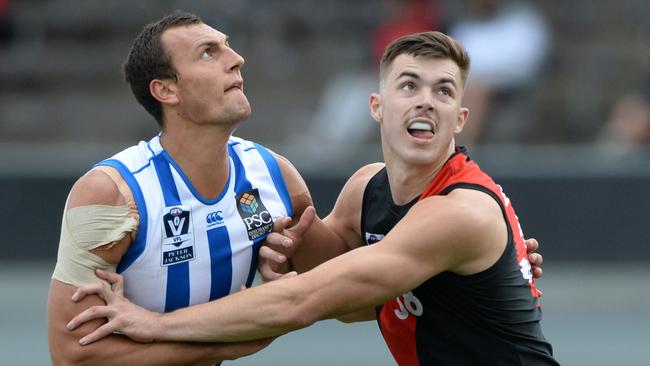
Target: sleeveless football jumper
488,318
189,249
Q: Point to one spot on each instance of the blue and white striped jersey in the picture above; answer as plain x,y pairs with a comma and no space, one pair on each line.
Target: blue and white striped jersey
189,249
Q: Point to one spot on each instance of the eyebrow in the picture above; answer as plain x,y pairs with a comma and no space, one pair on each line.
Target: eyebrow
212,43
409,74
413,75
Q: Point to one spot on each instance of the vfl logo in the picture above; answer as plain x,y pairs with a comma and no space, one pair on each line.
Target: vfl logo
176,223
372,238
177,234
214,218
255,216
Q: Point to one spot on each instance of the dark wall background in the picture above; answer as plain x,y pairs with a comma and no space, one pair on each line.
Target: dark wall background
575,219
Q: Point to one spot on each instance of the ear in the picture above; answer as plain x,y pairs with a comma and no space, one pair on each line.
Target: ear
463,114
164,91
375,107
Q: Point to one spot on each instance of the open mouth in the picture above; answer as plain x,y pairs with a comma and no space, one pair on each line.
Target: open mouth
421,129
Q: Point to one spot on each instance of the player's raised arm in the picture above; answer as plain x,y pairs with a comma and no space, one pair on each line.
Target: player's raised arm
89,242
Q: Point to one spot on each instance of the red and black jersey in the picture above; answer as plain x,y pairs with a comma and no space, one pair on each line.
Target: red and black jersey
488,318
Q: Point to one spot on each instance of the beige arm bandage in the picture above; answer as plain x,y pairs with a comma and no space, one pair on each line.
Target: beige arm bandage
85,228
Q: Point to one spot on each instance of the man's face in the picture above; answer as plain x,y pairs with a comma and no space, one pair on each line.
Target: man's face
419,109
210,87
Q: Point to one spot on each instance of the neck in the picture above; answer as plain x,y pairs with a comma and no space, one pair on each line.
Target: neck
201,152
407,180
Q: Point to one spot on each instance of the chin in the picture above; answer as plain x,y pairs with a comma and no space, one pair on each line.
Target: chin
245,113
237,113
420,158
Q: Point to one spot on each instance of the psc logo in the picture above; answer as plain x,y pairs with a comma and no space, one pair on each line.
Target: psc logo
214,218
256,217
248,203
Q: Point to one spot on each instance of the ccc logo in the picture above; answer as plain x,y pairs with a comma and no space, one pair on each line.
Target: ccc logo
214,217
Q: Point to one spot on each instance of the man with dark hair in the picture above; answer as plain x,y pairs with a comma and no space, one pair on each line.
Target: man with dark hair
450,266
181,216
148,60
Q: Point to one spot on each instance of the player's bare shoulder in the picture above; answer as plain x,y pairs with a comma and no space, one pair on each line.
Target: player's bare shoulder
95,188
291,175
300,196
368,171
345,218
478,209
356,185
474,223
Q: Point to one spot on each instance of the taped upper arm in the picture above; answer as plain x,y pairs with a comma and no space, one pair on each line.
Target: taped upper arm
104,193
97,228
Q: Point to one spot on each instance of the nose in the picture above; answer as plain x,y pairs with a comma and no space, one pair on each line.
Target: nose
425,103
237,60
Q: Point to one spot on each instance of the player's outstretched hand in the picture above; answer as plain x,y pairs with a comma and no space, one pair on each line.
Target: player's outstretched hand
282,243
534,258
123,316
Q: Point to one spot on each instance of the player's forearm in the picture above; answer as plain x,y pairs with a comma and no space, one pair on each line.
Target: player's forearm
363,315
273,309
117,350
278,307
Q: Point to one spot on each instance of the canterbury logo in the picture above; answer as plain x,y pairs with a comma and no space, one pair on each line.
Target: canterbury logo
214,217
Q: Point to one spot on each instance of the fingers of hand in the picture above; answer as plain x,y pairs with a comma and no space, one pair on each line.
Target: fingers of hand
272,255
99,333
289,274
93,312
306,219
96,288
268,273
116,280
279,240
537,272
281,223
111,277
535,259
531,245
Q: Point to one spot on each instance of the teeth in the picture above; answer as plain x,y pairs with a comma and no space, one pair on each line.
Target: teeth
420,126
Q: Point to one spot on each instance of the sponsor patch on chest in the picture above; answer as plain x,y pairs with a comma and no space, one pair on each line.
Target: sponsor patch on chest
256,217
178,236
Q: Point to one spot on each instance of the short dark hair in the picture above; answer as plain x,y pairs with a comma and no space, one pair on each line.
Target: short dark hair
427,44
148,60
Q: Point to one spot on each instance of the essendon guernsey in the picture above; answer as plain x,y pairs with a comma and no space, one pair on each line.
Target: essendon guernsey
488,318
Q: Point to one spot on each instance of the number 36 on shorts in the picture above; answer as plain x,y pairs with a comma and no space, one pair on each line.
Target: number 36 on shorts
409,304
